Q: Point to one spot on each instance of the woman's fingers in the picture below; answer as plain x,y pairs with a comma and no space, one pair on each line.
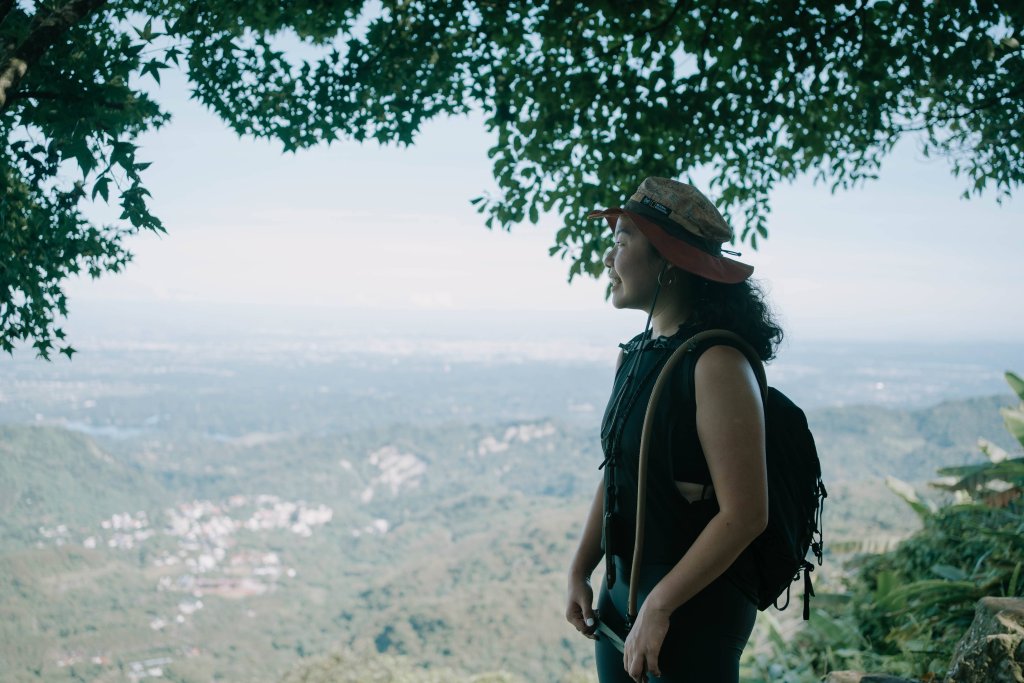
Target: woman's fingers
636,668
588,618
638,665
652,665
582,618
574,615
580,611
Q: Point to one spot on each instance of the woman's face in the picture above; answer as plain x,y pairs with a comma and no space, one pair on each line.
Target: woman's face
633,266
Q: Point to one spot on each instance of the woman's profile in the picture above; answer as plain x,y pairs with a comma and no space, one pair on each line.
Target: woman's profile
707,495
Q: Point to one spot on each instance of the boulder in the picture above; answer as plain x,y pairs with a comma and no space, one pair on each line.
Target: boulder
992,650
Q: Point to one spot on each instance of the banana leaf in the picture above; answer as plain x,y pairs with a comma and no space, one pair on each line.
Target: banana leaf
923,508
1016,383
1013,418
978,477
994,453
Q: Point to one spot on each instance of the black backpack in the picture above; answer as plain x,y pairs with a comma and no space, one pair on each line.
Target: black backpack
796,494
795,491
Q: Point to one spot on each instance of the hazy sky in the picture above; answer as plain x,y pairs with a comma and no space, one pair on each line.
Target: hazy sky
380,228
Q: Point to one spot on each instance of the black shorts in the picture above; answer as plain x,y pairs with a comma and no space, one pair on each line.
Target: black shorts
706,635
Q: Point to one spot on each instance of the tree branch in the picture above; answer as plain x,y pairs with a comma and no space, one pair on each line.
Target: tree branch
46,30
662,25
1012,91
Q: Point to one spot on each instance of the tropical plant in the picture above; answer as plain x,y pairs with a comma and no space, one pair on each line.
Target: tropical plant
915,602
1000,481
906,609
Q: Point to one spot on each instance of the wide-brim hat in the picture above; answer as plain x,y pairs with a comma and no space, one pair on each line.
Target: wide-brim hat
684,226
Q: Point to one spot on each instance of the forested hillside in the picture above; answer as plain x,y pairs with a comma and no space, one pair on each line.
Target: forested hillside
443,545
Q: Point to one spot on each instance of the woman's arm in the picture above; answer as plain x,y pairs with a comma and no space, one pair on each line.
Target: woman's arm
730,424
580,608
580,611
588,553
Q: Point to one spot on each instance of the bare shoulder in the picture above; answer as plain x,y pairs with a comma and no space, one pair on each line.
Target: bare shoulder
728,400
723,366
721,358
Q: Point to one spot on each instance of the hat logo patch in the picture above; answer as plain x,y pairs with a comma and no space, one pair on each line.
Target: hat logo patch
656,205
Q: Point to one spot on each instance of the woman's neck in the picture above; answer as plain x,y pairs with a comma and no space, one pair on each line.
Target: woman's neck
672,308
666,321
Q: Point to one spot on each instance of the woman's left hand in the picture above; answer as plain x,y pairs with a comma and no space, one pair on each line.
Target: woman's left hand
644,642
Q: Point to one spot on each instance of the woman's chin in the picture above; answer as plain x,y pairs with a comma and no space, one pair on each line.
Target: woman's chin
617,300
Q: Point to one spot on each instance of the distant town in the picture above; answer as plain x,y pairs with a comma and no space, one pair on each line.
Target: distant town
206,559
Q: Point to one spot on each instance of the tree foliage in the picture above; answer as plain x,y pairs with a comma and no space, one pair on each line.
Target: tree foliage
585,98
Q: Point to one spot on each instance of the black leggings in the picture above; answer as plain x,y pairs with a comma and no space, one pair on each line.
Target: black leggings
705,638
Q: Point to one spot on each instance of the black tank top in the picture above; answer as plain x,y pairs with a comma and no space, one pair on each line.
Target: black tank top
672,522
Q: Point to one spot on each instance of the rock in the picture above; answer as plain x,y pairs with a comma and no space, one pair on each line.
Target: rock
860,677
992,650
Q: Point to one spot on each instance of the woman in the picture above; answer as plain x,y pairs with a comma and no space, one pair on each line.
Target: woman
707,494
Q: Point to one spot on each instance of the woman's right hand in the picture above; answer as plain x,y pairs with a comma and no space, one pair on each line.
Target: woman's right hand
580,609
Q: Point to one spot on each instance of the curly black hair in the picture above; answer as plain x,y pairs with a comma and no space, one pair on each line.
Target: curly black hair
740,308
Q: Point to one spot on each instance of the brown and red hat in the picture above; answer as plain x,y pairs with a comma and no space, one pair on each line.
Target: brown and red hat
684,226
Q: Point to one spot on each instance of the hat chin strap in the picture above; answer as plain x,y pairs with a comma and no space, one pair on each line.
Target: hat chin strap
654,301
647,326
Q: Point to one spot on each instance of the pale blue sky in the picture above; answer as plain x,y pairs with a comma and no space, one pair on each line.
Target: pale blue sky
366,227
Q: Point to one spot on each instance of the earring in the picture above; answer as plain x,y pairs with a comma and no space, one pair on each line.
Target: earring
669,281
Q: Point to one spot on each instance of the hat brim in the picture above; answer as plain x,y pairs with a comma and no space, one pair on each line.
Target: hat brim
679,253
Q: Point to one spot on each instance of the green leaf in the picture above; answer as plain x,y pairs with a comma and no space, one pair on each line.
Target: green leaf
79,150
1016,384
1013,418
153,69
924,509
146,32
994,453
100,188
949,572
885,582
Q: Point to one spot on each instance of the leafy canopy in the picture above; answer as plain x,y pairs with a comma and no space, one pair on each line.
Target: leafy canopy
585,98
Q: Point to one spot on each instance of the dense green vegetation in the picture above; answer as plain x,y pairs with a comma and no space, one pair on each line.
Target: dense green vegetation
904,611
51,476
467,577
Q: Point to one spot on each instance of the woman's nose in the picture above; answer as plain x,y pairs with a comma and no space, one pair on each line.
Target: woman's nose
609,257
